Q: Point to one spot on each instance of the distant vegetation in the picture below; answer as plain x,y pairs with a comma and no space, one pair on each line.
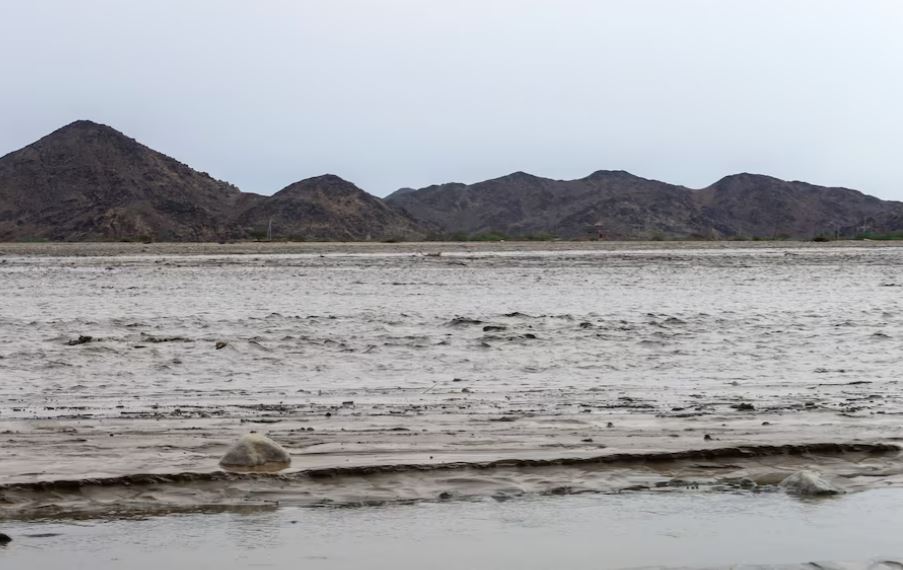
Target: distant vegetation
880,236
491,236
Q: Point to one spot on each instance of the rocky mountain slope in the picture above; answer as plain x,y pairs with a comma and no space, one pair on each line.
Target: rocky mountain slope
762,206
619,205
324,208
88,181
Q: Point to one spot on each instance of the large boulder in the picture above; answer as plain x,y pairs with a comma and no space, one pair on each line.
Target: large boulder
809,484
255,452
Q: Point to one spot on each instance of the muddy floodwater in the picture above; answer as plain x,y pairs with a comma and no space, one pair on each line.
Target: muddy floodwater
444,376
585,532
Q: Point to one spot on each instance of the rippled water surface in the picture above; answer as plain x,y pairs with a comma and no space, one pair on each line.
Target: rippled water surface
124,359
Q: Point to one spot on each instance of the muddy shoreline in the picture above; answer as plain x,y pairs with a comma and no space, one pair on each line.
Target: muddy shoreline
113,249
732,469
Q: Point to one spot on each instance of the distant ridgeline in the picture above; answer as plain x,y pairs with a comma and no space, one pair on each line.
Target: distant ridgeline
89,182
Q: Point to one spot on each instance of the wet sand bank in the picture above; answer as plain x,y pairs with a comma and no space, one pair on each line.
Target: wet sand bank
756,469
90,249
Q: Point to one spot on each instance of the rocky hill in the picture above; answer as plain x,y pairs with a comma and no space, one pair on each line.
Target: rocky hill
619,205
614,203
762,206
325,208
88,181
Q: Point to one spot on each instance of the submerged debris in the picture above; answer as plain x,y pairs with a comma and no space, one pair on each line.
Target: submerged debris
463,321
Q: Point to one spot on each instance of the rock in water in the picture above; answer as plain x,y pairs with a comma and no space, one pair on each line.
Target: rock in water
256,452
809,484
4,538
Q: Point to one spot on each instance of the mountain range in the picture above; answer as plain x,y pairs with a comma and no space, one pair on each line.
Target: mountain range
88,182
619,205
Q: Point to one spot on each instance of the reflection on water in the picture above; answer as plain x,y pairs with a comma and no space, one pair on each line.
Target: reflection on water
590,532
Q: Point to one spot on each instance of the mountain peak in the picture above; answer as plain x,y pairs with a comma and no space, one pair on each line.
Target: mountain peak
82,134
82,126
400,192
623,174
327,182
327,178
747,178
84,123
518,176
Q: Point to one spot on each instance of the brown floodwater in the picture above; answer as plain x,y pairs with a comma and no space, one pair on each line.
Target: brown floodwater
398,373
708,530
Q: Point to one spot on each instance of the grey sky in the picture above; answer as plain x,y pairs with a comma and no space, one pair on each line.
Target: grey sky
391,93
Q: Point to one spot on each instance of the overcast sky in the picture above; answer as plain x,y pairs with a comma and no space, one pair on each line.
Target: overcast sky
392,93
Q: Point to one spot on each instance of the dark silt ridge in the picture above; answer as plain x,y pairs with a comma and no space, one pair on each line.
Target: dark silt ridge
614,459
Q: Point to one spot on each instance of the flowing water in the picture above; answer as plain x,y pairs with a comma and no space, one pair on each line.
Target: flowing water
576,532
424,372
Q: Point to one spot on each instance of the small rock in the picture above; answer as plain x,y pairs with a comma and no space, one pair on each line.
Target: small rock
587,440
82,339
4,538
466,391
220,345
255,451
746,483
809,484
744,407
610,425
707,437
